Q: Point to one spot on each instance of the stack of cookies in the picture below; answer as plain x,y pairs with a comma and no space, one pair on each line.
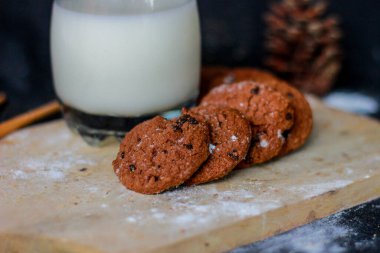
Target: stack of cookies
245,117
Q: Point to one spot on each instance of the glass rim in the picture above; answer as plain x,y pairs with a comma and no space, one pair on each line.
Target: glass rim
120,7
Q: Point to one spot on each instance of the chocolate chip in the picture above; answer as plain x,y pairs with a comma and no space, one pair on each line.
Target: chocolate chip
165,151
255,90
188,146
290,95
182,120
186,118
255,139
289,116
83,169
177,128
286,133
132,168
138,139
193,121
233,156
122,155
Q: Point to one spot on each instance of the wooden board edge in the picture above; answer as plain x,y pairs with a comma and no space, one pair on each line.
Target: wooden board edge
40,244
250,230
261,227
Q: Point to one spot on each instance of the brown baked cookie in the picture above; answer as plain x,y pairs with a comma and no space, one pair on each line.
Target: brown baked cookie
159,154
230,141
242,74
303,118
208,75
268,111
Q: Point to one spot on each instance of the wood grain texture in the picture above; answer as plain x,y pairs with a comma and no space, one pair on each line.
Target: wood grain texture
58,193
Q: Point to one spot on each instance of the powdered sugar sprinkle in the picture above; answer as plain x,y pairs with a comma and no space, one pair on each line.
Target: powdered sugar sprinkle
264,143
211,148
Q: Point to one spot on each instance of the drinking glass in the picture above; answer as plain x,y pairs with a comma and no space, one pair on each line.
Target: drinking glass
119,62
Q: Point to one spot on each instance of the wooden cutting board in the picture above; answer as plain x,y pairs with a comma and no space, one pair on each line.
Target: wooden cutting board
59,195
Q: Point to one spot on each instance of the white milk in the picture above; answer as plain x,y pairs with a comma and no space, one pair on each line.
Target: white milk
126,64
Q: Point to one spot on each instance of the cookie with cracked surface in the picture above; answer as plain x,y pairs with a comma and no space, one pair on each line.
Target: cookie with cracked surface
159,154
303,117
208,75
229,144
268,111
242,74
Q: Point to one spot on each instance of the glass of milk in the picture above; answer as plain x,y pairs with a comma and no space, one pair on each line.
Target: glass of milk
119,62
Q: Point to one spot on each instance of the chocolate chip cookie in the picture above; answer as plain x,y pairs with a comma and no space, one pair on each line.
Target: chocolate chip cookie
230,141
159,154
268,111
208,75
303,118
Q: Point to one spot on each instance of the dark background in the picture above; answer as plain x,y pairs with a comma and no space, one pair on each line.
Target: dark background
232,32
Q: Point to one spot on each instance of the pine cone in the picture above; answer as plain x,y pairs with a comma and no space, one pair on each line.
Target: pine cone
302,44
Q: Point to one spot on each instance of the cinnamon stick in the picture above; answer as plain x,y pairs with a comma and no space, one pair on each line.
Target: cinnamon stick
3,98
28,118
